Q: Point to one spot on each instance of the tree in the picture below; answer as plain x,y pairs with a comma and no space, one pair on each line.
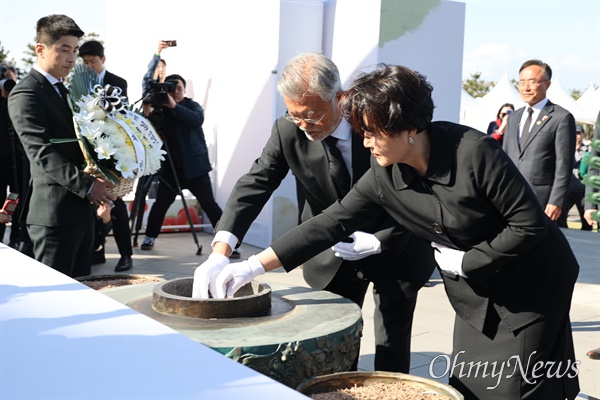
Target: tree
575,93
476,86
30,55
4,59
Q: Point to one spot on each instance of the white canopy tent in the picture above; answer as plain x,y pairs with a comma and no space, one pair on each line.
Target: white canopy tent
483,110
479,112
590,100
557,94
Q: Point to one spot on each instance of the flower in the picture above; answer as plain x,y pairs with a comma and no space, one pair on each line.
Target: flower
122,140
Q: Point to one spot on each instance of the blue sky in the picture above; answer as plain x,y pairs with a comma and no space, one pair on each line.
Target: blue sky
499,35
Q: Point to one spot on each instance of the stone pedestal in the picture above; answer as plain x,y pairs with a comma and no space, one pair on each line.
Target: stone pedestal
306,333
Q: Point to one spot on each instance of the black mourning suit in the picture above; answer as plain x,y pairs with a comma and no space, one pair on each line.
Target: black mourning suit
520,268
60,219
397,273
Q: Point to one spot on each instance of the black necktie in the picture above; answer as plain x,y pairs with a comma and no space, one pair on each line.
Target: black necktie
337,167
63,92
527,125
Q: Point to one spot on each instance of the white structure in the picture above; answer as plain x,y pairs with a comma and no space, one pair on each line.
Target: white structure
590,101
503,92
234,62
558,95
62,340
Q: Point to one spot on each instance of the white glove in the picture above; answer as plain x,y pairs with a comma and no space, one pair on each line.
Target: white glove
448,259
205,275
363,245
236,275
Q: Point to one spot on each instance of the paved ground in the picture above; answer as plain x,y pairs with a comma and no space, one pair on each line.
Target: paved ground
175,256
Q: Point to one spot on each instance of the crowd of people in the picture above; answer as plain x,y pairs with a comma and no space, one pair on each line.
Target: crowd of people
389,195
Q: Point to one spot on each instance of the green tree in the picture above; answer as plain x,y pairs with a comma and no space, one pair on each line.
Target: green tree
575,93
30,56
5,60
476,86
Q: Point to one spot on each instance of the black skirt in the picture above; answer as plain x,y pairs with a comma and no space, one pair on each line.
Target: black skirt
535,362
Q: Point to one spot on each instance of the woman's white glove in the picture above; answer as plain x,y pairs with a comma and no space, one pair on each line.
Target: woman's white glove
205,275
449,260
236,275
363,245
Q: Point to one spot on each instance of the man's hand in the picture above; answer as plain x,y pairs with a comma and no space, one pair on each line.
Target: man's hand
206,274
553,211
363,245
161,46
100,192
236,275
171,103
449,260
4,217
587,215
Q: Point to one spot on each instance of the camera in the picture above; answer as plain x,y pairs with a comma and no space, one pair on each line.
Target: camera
7,84
158,92
11,203
171,43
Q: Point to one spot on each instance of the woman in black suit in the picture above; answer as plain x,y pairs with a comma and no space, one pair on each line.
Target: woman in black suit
509,273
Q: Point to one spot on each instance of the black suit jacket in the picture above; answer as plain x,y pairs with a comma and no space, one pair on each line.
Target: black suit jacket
546,158
114,80
57,196
473,199
398,273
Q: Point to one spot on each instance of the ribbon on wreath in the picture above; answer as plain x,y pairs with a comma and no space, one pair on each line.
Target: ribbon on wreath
110,99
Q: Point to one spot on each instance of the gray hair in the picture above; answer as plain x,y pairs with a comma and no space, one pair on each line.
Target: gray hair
309,73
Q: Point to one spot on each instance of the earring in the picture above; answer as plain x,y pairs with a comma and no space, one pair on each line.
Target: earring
411,140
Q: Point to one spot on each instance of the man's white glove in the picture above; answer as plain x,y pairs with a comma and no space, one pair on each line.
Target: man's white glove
205,275
363,245
448,259
236,275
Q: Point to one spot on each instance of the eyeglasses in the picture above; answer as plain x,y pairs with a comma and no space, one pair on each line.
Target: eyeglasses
298,121
311,121
530,82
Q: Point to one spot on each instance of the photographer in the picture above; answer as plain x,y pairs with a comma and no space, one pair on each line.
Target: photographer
179,120
157,68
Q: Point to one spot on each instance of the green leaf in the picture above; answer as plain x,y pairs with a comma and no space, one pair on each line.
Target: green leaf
65,140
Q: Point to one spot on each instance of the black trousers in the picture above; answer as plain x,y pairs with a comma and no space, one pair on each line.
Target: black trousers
200,187
119,223
392,317
67,249
576,197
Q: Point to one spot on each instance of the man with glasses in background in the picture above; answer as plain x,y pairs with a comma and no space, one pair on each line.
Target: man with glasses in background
315,142
540,139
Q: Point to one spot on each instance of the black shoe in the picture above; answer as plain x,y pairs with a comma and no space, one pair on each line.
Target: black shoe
124,264
235,255
148,243
98,257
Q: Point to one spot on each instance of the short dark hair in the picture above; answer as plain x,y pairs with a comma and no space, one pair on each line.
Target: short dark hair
91,48
51,28
174,77
539,63
392,97
512,107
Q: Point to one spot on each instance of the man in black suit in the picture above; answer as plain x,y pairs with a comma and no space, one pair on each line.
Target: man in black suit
541,141
397,263
60,216
92,53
